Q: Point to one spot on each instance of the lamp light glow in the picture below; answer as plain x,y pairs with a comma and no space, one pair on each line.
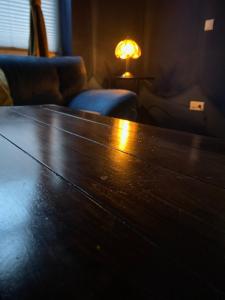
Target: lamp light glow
124,127
126,50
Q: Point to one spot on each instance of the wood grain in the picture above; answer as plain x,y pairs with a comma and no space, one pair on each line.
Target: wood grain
169,226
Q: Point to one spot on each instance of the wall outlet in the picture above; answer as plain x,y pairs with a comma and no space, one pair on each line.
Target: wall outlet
197,105
209,24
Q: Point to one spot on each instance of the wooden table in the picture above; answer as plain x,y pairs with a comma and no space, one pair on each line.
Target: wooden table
101,208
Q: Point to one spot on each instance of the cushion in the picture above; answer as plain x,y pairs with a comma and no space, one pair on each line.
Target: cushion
5,97
174,112
116,103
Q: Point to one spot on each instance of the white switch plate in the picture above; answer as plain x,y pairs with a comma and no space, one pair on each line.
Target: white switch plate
197,105
209,24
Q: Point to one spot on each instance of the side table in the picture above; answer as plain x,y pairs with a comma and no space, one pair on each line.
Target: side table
132,83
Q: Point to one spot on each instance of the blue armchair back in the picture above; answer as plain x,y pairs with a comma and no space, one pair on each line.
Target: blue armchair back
39,80
61,81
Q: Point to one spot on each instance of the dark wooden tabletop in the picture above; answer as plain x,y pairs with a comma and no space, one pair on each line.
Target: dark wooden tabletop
100,208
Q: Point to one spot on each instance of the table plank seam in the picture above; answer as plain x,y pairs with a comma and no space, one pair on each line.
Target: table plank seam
109,211
74,185
76,117
200,179
154,196
72,114
47,169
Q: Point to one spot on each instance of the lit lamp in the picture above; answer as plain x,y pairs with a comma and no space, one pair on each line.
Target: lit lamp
127,49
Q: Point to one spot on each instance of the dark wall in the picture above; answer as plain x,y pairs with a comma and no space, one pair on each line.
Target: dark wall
182,53
175,43
99,25
213,53
188,63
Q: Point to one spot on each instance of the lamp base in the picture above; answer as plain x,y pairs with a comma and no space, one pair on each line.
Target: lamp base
127,75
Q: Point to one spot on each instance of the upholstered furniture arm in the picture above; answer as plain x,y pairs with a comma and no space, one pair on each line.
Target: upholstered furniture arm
114,103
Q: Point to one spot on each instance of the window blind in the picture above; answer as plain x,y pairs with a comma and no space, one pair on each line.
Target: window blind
15,23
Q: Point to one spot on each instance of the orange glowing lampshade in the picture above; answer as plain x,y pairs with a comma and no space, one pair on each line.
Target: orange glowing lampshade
127,49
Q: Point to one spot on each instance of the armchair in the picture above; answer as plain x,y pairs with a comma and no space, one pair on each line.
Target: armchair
62,81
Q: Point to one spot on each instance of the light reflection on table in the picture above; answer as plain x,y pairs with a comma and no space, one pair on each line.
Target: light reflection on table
16,241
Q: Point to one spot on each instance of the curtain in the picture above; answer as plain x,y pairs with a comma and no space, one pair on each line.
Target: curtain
38,43
65,8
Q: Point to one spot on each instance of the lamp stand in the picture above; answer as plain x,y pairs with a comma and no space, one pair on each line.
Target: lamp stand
127,74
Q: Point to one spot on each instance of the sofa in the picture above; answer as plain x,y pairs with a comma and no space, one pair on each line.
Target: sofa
62,81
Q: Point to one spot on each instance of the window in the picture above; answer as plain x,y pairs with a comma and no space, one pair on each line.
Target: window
15,23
